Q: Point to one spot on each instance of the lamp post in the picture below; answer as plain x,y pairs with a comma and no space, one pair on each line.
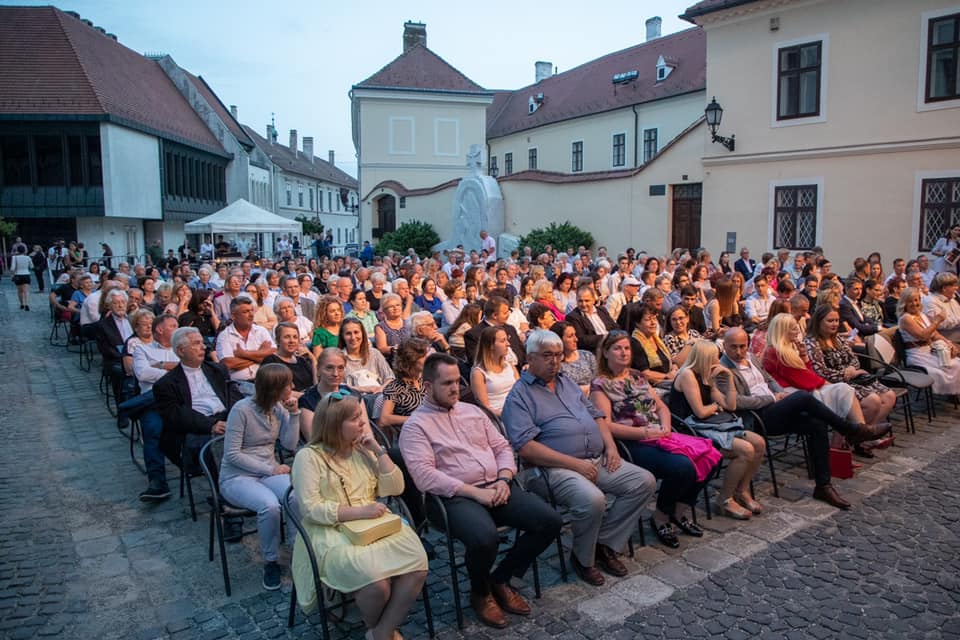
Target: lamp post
714,113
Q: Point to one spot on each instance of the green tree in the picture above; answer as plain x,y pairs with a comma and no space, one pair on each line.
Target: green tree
7,228
419,235
559,236
311,226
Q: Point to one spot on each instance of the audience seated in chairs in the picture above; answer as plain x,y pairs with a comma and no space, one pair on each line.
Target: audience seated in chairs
336,478
552,425
250,476
696,398
496,310
642,422
651,356
467,320
942,301
455,452
404,393
784,411
193,400
331,365
590,322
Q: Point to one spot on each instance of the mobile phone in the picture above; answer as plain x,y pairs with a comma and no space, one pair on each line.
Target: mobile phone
852,335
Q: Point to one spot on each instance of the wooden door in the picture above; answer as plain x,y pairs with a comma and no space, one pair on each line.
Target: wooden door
687,203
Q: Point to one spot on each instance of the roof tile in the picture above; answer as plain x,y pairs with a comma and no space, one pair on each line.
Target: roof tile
420,68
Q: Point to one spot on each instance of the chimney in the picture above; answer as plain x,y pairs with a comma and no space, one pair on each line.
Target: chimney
269,132
414,33
308,147
330,156
293,141
233,112
542,70
653,28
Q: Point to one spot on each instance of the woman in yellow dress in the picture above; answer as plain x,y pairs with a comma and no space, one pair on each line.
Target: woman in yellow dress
337,478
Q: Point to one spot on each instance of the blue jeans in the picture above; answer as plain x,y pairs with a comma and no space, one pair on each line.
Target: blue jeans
677,475
151,426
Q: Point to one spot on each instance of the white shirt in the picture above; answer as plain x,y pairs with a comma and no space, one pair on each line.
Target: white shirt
90,309
123,326
230,339
599,328
145,356
755,380
757,308
490,246
203,398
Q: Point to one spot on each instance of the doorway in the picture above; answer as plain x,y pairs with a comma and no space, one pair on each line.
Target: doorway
386,216
687,203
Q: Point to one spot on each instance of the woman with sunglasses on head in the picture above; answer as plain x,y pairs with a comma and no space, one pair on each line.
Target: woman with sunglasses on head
331,370
250,476
642,422
337,478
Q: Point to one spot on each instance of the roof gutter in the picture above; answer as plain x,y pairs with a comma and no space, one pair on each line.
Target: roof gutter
728,4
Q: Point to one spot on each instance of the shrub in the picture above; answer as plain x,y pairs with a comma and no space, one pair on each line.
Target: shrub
419,235
559,236
310,226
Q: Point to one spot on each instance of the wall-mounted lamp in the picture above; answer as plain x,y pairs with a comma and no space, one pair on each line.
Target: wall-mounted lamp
714,113
494,172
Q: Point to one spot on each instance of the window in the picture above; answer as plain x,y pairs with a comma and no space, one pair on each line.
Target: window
619,149
16,161
795,217
75,161
531,159
94,166
939,209
507,164
339,239
311,199
300,195
798,86
403,202
943,56
289,193
493,170
576,162
649,144
48,151
329,200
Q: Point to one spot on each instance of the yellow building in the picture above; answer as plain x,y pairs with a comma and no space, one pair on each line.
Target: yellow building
847,124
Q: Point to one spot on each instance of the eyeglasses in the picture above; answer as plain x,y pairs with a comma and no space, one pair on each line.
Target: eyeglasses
549,355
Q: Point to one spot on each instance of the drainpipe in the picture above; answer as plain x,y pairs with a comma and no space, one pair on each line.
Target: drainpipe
636,135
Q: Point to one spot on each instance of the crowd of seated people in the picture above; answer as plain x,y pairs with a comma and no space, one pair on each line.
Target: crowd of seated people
569,361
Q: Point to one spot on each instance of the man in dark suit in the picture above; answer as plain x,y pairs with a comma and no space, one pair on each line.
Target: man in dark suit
304,306
112,332
589,321
785,412
850,311
496,310
745,265
193,400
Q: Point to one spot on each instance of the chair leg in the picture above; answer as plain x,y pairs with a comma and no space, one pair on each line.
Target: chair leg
563,562
223,553
293,605
193,505
210,546
773,473
428,610
536,579
931,410
454,580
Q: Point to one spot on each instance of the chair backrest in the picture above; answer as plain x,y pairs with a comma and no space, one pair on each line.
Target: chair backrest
292,512
899,348
210,456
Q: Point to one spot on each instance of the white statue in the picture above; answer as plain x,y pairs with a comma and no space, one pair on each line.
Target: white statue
477,204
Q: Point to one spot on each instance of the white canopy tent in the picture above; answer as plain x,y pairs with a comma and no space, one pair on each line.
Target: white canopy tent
246,222
243,217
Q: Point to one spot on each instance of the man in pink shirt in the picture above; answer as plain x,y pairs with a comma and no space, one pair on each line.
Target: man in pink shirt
454,451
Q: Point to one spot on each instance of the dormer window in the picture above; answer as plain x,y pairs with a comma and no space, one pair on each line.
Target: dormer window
665,67
534,103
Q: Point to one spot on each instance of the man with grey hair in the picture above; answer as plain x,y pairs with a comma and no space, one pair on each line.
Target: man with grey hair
193,400
560,432
304,305
243,345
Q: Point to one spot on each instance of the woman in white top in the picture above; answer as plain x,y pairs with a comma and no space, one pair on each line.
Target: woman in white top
492,377
21,265
947,251
925,346
942,301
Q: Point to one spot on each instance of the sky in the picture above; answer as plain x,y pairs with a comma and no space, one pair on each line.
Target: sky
295,60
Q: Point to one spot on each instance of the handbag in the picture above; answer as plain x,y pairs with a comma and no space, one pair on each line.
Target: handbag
864,379
364,531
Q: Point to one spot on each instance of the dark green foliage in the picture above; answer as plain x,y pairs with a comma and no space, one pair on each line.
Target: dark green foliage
419,235
559,236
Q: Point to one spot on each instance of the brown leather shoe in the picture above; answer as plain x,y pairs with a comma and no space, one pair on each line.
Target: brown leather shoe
488,611
828,494
509,600
868,432
590,575
608,561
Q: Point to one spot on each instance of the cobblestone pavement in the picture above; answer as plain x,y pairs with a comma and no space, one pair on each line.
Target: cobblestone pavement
81,557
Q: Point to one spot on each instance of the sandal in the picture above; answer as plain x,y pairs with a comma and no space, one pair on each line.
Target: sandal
733,510
750,504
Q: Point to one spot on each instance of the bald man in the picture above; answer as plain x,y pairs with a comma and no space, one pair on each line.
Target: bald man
784,412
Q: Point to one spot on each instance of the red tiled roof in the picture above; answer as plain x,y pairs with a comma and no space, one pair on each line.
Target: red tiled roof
207,92
419,68
403,191
282,156
52,64
589,89
709,6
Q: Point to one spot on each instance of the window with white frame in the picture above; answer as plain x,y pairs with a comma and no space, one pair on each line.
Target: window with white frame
507,163
795,216
576,156
493,170
943,58
619,149
649,144
798,80
939,209
532,158
300,195
289,194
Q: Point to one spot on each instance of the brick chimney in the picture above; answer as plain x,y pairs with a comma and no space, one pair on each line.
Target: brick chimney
308,147
414,33
542,70
293,141
653,28
270,134
330,156
233,112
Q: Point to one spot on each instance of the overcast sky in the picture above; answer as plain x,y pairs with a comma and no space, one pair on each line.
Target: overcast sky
299,58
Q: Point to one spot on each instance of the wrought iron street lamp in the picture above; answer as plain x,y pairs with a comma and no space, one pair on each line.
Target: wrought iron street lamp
714,113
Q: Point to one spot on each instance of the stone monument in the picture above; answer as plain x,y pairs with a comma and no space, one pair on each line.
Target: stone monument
477,205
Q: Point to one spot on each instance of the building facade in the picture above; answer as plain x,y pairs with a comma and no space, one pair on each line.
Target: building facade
847,124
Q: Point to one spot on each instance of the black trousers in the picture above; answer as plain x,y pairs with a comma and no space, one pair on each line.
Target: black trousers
476,527
802,414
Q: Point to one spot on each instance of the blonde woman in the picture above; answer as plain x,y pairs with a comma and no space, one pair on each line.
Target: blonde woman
697,398
925,345
337,478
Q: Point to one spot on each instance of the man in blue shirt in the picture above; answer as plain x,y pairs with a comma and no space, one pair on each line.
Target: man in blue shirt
556,428
366,254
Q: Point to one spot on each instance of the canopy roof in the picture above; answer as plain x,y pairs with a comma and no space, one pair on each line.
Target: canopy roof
243,217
